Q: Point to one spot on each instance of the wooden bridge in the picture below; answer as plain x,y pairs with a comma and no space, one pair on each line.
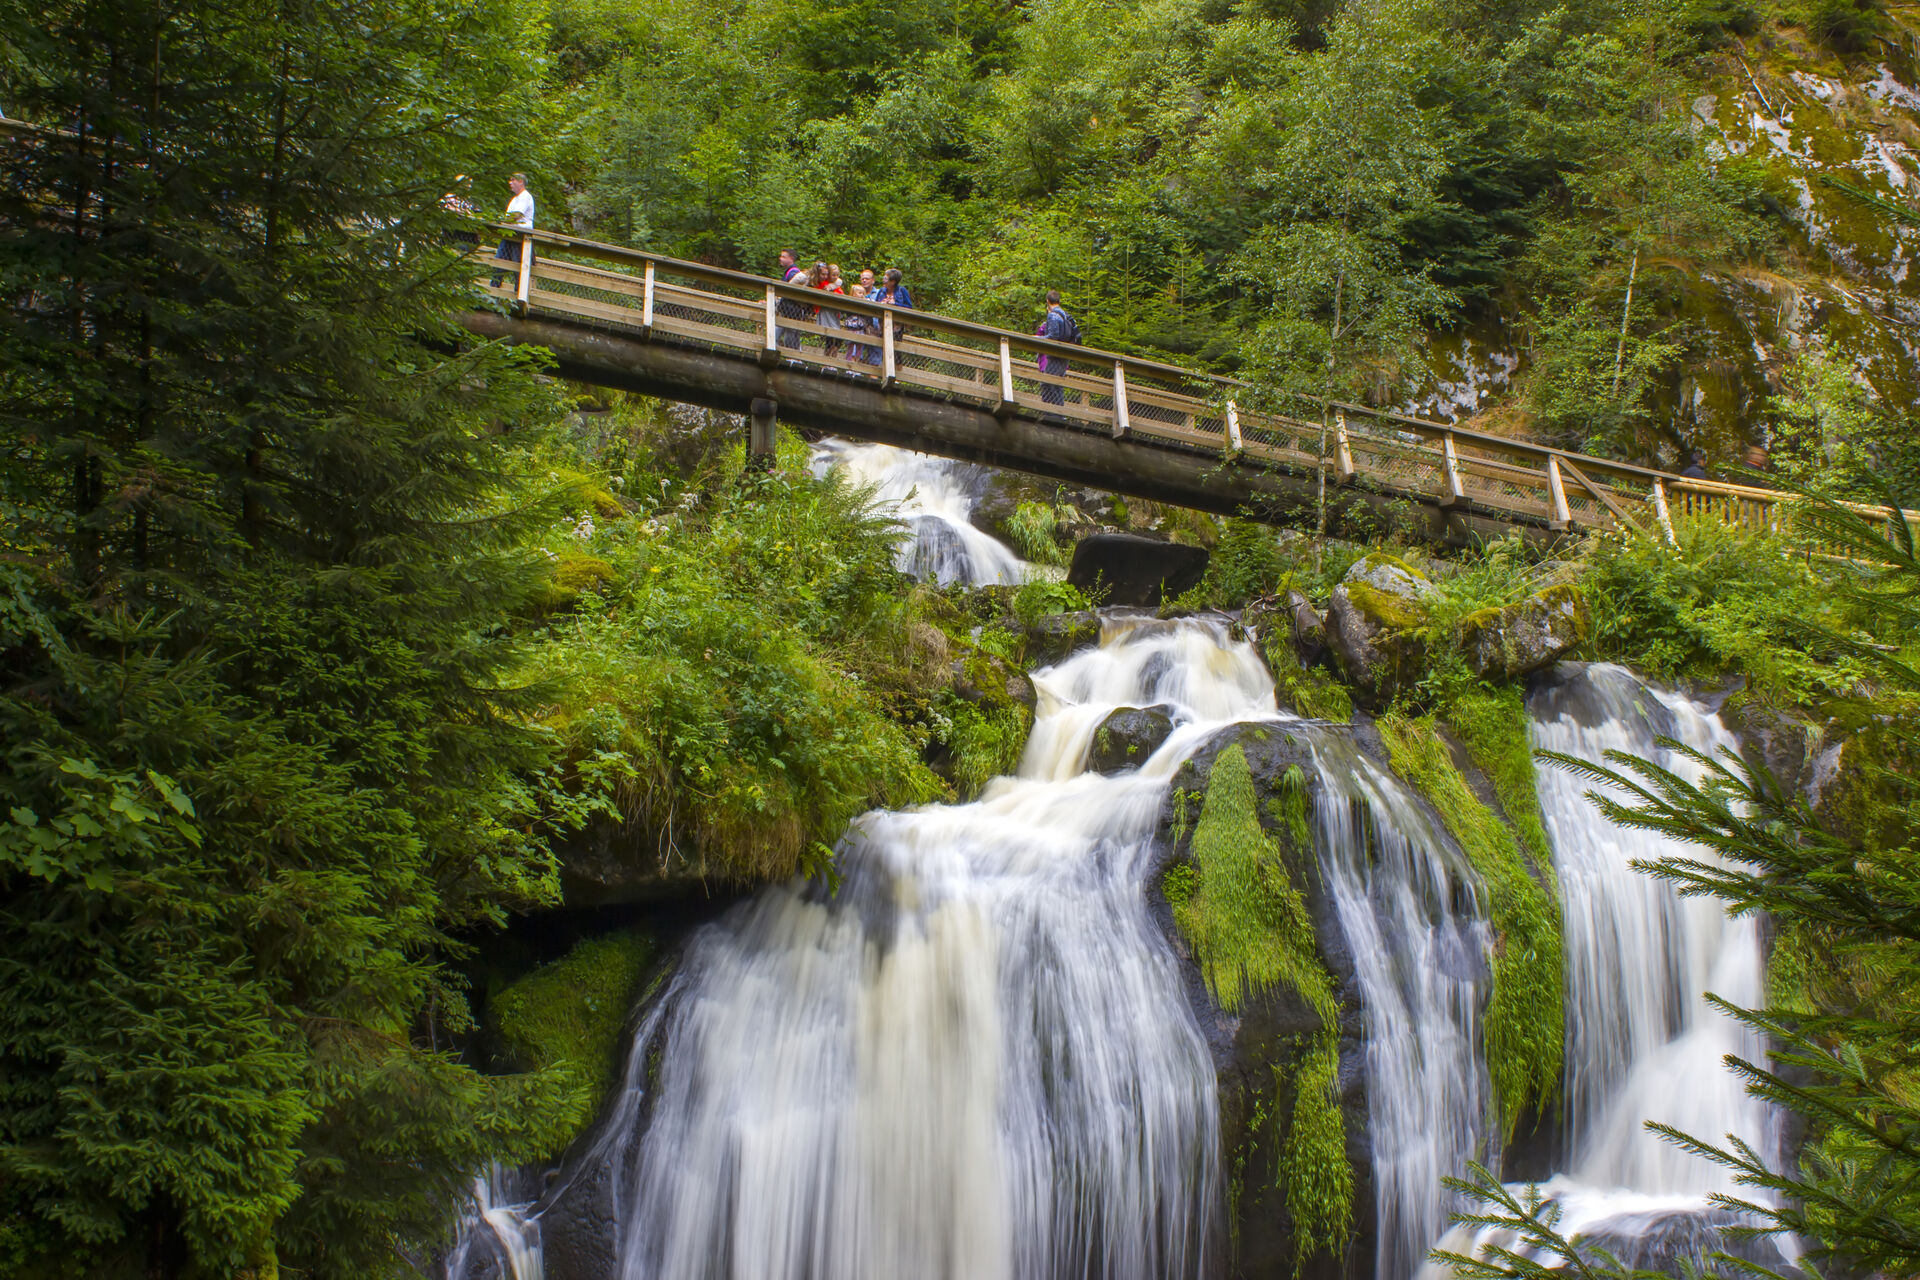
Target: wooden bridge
704,335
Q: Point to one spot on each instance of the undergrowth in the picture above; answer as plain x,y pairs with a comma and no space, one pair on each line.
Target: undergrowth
1315,1176
986,743
1525,1026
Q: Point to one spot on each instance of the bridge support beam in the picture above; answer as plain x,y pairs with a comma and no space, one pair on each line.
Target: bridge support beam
862,409
761,429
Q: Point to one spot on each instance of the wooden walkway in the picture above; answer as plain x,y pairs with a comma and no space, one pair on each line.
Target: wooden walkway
926,357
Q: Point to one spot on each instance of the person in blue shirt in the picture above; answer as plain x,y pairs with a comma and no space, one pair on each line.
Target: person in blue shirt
894,293
1056,326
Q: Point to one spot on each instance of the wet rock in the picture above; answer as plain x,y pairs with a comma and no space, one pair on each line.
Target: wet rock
1258,1048
1521,638
1788,746
1054,636
1132,570
1126,738
1373,623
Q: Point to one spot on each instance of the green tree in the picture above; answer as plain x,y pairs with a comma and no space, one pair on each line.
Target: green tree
263,524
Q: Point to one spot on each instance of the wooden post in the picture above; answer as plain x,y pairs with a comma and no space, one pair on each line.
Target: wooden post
889,372
1120,423
1660,510
770,354
1343,449
760,435
526,271
1557,490
646,310
1234,443
1006,405
1456,493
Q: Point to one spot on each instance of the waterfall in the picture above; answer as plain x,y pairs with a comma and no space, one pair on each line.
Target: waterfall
500,1236
1413,923
932,497
1642,1041
974,1060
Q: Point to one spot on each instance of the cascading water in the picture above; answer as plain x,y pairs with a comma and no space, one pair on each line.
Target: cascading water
933,498
1643,1044
975,1059
1409,910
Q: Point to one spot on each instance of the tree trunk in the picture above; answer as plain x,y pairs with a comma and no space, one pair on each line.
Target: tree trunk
1626,312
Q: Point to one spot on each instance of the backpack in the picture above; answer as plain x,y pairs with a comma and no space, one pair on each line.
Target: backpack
1072,330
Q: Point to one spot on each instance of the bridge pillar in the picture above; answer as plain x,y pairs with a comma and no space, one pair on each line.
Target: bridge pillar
760,434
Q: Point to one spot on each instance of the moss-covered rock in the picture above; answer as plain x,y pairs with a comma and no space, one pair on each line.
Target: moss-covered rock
1374,626
570,1017
1127,738
573,574
1055,636
1514,640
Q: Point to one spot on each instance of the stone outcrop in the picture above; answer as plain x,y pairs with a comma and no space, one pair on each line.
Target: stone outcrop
1126,738
1054,636
1131,570
990,681
1518,639
1373,623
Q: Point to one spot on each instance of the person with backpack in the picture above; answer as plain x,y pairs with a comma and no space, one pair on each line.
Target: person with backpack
1056,326
790,271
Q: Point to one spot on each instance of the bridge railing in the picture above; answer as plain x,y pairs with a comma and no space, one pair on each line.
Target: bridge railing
1085,389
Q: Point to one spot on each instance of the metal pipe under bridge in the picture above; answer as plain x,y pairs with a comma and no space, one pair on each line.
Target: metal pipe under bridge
703,335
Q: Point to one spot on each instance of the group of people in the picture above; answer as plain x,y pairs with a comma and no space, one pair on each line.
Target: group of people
887,290
1055,324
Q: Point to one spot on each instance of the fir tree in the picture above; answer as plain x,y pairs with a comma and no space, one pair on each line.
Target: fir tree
262,524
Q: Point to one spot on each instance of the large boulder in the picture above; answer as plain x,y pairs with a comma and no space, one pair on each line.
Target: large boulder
1131,570
1373,626
1518,639
1126,738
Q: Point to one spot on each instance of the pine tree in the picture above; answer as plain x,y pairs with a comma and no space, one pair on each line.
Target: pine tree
263,525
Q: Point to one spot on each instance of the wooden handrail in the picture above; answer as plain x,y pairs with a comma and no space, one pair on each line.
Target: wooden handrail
1136,404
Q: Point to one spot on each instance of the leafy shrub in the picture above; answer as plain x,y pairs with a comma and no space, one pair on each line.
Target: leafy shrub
1032,528
735,670
1041,597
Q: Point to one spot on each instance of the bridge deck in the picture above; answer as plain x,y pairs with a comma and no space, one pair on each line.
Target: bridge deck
634,318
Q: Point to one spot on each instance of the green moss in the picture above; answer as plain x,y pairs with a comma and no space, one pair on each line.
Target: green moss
1394,612
1526,1022
573,573
1248,926
1315,1177
570,1016
1311,692
1493,723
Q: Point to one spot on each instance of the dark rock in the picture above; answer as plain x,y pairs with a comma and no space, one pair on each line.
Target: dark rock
1126,738
615,862
1373,623
1132,570
1056,635
1521,638
1788,746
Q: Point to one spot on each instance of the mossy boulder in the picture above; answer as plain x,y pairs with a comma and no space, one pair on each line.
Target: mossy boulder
1509,641
1374,626
1127,569
1055,636
570,1017
991,682
1126,738
573,575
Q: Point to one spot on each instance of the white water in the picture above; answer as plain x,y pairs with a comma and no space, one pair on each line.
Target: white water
976,1059
499,1234
927,495
1409,911
1643,1044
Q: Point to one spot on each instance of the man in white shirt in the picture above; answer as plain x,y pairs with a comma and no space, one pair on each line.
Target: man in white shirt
519,214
